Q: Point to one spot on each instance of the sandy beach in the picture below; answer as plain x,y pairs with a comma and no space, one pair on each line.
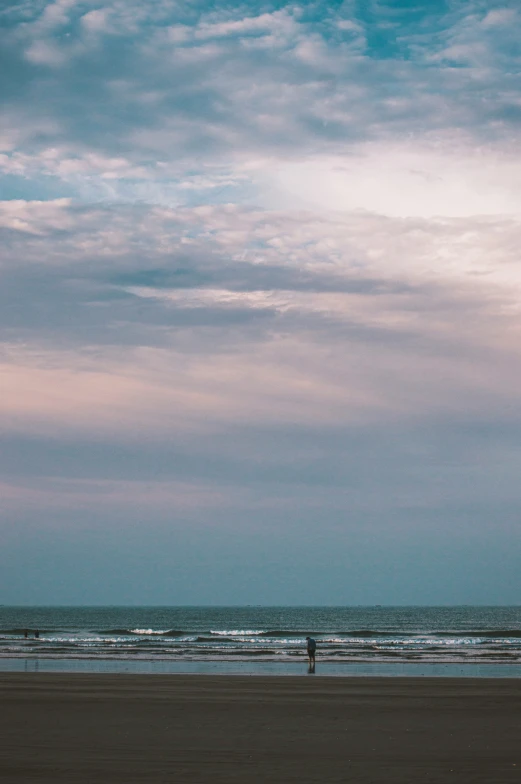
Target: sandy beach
121,728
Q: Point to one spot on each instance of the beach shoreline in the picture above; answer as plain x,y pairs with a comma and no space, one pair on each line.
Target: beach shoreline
59,727
297,667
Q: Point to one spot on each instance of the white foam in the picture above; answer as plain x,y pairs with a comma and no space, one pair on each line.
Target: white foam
236,632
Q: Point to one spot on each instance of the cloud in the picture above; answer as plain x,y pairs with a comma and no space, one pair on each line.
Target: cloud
259,265
453,178
108,98
167,320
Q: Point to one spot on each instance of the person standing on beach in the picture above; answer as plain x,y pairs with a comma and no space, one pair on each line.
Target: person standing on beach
312,648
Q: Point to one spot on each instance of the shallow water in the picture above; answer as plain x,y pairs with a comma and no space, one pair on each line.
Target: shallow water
253,668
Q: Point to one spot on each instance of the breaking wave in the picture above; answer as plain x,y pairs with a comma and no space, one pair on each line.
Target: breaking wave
142,632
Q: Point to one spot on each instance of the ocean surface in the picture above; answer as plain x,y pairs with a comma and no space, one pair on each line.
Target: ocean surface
133,638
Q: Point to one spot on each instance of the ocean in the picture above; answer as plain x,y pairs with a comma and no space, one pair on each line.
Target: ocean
378,640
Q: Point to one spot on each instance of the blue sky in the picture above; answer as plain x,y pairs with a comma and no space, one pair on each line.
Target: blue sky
260,337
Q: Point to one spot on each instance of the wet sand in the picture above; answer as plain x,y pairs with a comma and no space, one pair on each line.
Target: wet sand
135,728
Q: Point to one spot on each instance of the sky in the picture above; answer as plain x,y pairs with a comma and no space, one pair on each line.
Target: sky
260,335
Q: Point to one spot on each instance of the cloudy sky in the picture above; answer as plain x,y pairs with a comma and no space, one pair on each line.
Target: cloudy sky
260,302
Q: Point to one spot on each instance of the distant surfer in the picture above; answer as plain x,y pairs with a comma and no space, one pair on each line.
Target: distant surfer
312,649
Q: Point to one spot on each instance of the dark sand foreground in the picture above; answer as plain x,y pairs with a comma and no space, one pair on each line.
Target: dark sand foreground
120,728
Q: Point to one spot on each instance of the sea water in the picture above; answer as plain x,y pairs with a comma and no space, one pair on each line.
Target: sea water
350,640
